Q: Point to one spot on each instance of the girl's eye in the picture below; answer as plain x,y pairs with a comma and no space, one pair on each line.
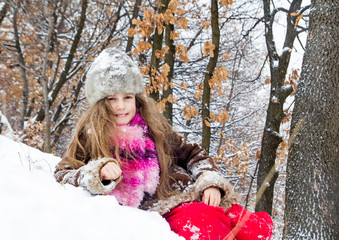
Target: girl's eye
128,97
111,99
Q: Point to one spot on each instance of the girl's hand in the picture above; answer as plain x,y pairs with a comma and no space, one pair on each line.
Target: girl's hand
111,171
212,196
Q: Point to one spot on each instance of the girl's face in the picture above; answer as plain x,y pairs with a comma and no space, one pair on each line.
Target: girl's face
123,106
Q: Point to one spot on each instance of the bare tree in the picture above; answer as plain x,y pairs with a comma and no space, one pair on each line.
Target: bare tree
169,60
64,75
312,185
44,77
22,68
206,96
278,94
135,14
157,41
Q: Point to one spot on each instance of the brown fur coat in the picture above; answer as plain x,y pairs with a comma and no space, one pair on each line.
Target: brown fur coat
193,172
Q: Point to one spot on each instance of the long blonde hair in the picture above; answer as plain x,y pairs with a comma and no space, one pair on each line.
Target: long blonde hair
93,137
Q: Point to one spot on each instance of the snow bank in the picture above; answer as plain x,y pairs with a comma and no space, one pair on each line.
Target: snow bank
34,206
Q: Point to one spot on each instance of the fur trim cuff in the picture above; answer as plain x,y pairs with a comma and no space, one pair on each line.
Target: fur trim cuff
90,177
165,206
215,179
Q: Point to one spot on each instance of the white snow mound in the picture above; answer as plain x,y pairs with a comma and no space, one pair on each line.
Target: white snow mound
34,206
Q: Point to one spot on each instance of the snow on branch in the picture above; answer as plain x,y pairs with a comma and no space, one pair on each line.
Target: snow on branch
4,120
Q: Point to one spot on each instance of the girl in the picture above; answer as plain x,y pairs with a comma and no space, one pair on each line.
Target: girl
124,147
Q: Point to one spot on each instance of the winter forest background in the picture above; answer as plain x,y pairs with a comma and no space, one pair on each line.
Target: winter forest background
225,74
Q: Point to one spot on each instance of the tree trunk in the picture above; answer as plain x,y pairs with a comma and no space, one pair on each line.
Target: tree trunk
312,186
22,68
135,14
48,147
114,25
278,94
169,59
155,62
206,96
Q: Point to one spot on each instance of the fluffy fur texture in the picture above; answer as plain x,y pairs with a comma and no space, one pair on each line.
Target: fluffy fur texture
90,177
113,71
140,165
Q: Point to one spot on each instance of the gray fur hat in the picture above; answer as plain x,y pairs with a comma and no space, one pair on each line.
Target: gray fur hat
113,71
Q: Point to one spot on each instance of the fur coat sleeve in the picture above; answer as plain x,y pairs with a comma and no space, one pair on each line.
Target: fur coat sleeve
84,172
191,157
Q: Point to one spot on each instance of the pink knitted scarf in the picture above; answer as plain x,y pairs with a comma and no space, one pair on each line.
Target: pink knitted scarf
140,164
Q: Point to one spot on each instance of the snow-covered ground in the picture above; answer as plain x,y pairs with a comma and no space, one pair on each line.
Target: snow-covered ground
34,206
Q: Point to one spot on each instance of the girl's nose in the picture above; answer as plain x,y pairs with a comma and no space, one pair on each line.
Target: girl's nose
120,104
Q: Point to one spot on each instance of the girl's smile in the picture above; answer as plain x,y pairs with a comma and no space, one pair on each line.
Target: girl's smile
121,115
123,106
